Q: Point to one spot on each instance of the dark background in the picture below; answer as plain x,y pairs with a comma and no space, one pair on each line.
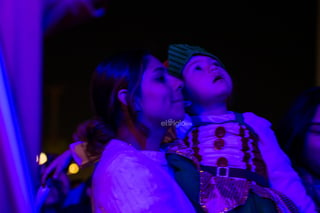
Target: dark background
267,46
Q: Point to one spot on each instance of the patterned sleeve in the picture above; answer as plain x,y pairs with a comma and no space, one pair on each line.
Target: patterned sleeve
282,176
170,135
80,156
129,185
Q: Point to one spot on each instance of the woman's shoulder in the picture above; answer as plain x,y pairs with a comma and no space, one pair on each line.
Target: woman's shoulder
118,155
123,162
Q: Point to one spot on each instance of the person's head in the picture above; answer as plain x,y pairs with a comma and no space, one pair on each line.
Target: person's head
132,89
299,130
205,77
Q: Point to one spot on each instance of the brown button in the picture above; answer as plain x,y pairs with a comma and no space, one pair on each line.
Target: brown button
218,143
222,162
220,132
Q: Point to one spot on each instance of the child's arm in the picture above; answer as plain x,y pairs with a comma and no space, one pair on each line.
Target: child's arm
282,176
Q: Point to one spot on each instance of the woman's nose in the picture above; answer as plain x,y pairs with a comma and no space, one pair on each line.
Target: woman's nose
176,83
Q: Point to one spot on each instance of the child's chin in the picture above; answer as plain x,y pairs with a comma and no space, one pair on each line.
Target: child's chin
179,116
223,92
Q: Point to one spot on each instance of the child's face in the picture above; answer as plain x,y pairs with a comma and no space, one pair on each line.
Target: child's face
206,80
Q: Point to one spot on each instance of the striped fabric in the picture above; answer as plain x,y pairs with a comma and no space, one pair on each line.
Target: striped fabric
180,54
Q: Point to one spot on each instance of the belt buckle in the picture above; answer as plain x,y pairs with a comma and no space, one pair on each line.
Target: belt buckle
223,170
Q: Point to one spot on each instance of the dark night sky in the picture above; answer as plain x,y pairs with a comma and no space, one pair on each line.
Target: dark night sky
267,46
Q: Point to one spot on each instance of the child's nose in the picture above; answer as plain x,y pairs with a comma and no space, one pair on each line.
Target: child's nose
213,69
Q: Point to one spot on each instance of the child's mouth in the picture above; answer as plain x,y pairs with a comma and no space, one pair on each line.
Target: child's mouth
217,78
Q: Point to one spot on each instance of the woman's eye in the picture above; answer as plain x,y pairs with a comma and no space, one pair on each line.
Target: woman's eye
161,79
198,68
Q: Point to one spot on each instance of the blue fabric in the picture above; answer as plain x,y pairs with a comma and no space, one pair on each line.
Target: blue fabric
187,176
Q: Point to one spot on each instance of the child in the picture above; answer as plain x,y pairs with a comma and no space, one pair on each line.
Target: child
241,167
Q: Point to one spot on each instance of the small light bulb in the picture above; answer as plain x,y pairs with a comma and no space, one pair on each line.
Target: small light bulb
42,159
73,168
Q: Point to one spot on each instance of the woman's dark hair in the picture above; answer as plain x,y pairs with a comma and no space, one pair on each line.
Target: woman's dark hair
121,71
292,129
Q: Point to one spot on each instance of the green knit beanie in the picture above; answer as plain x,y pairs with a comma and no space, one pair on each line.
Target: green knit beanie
180,54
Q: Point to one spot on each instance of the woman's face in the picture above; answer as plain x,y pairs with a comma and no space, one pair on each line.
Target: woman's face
312,149
161,94
205,79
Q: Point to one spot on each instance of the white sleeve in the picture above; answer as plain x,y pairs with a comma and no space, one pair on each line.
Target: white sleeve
130,186
282,176
183,127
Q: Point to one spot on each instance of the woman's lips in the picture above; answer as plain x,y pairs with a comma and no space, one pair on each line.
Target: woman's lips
182,101
177,100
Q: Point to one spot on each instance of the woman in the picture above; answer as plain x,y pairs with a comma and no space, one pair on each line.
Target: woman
132,94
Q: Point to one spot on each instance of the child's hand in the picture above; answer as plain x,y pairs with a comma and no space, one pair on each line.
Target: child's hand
57,166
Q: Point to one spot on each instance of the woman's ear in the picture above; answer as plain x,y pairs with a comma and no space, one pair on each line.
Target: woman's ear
122,96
